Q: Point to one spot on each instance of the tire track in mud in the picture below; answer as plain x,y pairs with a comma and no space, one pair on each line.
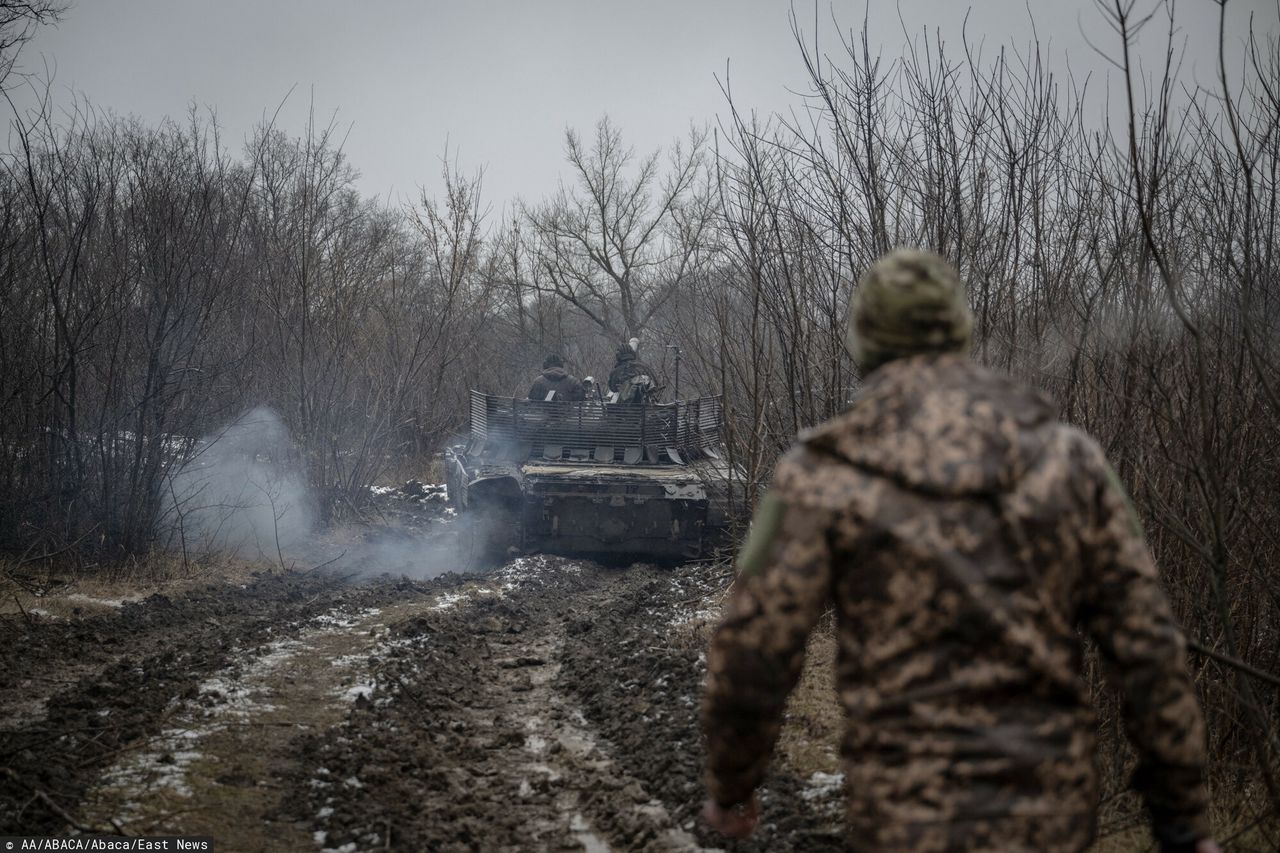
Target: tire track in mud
548,705
469,743
559,715
639,680
124,677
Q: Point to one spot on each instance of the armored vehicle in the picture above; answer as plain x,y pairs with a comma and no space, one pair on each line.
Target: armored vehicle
641,480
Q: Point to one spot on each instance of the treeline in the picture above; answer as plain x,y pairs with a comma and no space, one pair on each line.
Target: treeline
153,285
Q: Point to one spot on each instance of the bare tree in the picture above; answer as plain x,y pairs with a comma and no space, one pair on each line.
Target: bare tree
620,242
19,20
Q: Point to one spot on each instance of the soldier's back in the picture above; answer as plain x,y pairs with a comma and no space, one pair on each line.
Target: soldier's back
956,576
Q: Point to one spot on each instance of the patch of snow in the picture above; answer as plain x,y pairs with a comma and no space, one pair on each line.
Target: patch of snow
101,602
449,599
337,619
683,617
523,569
585,835
163,765
823,785
351,694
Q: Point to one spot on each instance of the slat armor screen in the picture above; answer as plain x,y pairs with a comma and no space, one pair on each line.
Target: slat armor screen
686,425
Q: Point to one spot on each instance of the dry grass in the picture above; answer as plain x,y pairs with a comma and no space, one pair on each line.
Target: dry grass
814,721
68,592
425,468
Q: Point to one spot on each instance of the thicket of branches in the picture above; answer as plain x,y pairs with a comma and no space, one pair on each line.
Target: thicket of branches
1125,261
153,285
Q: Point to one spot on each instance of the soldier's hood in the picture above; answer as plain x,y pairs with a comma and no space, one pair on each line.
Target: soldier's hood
555,373
940,424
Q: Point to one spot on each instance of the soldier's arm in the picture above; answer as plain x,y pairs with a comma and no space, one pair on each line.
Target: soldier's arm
757,654
1128,615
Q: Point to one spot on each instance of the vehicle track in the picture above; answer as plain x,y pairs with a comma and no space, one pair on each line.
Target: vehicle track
78,695
550,704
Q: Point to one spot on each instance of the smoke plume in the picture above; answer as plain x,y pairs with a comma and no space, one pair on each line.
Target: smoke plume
243,492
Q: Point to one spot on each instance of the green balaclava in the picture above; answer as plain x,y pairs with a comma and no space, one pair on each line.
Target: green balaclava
909,302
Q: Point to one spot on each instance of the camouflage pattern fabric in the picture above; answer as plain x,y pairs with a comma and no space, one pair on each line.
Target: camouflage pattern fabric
962,535
627,368
908,302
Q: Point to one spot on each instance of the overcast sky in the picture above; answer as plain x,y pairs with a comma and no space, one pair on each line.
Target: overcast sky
500,80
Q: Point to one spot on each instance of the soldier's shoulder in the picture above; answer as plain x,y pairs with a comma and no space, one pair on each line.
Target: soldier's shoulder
1075,447
808,476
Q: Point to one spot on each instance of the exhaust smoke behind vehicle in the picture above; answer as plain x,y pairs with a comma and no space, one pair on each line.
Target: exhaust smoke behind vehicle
244,493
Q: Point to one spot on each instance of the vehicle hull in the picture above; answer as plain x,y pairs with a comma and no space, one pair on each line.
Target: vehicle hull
647,512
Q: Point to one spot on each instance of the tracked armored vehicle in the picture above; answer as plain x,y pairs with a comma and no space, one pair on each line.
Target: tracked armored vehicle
593,478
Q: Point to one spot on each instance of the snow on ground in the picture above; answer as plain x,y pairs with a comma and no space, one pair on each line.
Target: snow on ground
100,602
240,694
337,619
163,765
521,570
823,786
449,599
361,688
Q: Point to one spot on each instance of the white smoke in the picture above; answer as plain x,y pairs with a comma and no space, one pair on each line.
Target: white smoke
242,493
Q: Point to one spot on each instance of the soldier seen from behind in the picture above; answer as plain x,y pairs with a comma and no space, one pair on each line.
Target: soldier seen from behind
556,383
962,534
630,378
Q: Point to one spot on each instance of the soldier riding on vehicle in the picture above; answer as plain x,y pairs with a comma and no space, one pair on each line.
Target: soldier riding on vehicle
556,383
631,379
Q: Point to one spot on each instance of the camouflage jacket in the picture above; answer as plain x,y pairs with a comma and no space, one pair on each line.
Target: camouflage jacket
627,369
963,536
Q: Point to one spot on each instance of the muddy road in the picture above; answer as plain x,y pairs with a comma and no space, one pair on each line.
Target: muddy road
549,704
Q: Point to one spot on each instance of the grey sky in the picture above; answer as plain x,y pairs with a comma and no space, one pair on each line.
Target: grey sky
500,80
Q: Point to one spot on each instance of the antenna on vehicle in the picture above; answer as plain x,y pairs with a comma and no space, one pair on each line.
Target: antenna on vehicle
677,388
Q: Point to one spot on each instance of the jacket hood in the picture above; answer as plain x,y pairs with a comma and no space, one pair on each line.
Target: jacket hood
941,425
555,374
